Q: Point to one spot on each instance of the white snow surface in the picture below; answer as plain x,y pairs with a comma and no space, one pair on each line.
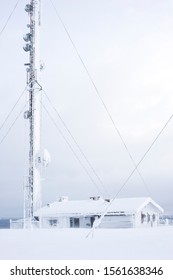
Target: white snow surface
72,244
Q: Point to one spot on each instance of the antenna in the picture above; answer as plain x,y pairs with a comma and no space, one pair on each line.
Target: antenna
32,187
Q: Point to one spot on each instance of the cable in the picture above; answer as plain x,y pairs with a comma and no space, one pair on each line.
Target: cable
99,96
128,178
2,140
69,145
9,17
76,143
12,109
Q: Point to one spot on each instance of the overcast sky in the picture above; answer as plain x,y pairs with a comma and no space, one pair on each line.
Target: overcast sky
127,48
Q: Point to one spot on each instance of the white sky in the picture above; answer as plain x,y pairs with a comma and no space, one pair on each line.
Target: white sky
127,48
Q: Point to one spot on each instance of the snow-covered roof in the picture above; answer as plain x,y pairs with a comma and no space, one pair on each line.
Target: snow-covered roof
97,206
132,205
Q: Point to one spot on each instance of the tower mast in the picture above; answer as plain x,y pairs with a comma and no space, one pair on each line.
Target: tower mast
32,188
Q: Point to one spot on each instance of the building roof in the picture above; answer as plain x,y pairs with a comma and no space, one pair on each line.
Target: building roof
95,206
132,205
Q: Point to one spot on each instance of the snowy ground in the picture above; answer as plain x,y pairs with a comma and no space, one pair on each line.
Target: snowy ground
72,244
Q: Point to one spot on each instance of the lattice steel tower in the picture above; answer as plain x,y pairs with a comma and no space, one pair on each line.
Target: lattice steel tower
32,188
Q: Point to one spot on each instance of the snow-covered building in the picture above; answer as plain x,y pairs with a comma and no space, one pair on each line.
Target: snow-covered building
119,213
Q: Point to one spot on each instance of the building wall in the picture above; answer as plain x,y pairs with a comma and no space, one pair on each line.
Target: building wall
147,217
55,222
107,222
67,222
123,221
85,222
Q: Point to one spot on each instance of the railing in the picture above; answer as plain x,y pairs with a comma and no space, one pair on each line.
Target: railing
19,224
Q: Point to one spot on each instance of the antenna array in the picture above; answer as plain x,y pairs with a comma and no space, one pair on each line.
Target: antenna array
32,188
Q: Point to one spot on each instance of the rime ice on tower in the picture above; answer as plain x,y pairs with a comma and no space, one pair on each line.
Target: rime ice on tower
32,188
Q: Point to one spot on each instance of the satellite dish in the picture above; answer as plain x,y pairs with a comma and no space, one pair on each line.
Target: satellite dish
27,47
46,158
27,114
27,37
28,8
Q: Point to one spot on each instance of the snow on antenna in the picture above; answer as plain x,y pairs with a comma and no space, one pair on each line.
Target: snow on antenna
32,188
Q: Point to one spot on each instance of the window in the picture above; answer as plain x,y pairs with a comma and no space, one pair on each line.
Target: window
92,219
143,218
154,217
148,217
74,222
53,222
